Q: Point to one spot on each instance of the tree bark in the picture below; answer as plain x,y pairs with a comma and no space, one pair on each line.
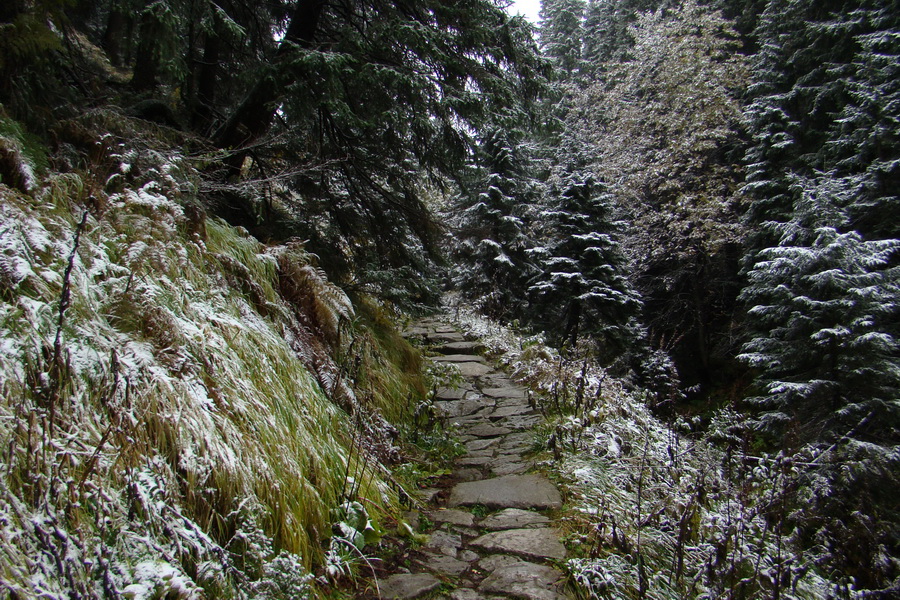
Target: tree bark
147,61
116,24
252,119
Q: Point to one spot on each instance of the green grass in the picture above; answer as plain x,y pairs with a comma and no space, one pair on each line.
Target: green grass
187,400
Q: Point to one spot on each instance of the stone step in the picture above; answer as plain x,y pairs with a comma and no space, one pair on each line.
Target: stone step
512,491
460,348
459,358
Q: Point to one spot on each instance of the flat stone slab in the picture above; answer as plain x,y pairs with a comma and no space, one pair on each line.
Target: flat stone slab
461,348
510,411
496,561
504,392
512,491
481,444
524,580
450,394
474,461
484,430
407,586
416,332
452,516
444,565
444,337
444,542
501,468
529,543
459,408
459,358
467,594
522,422
473,369
514,518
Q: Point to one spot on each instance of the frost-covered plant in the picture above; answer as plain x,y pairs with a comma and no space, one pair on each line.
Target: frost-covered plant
662,514
183,384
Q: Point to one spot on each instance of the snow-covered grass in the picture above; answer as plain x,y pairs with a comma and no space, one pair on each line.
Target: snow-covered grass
169,416
655,511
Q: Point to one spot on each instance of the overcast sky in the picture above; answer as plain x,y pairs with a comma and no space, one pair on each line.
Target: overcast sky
529,8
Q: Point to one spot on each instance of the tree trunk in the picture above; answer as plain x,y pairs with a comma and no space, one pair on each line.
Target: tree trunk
252,119
116,25
148,59
208,79
573,321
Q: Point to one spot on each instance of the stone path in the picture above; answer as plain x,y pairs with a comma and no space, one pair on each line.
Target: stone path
490,536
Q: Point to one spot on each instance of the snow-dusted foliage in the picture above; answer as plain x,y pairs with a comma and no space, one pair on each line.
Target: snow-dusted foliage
491,230
657,127
660,512
169,392
561,33
582,289
822,316
822,292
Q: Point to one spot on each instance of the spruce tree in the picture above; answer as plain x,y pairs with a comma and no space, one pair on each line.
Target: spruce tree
583,290
561,33
491,233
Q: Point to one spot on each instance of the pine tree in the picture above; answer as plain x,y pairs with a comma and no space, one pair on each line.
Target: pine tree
582,289
823,309
822,289
561,33
491,234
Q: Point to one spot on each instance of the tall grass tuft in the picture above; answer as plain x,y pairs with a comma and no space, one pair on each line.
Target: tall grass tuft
184,438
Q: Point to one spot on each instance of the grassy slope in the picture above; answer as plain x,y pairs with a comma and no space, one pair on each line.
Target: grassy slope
178,439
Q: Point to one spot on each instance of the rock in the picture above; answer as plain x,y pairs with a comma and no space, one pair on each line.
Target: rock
483,430
459,358
444,542
517,439
524,580
503,468
412,518
473,369
513,491
481,444
529,543
467,474
445,337
450,394
487,452
510,411
505,392
497,561
459,408
522,422
416,332
474,461
408,586
443,564
467,555
466,594
454,517
514,518
461,348
427,495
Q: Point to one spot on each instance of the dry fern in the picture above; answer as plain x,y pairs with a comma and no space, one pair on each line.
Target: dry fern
325,305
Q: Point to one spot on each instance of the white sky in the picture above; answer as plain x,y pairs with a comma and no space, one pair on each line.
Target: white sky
529,8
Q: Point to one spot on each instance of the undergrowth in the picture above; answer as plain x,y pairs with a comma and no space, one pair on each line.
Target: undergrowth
660,511
184,411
